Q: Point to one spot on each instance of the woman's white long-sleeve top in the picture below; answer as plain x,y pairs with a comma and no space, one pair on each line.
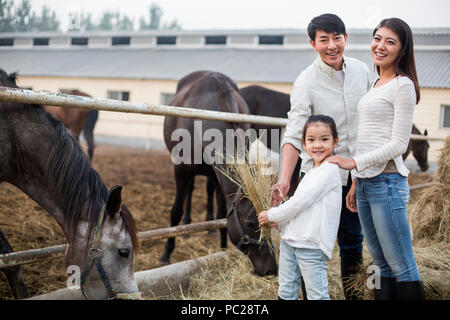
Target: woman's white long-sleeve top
310,218
385,122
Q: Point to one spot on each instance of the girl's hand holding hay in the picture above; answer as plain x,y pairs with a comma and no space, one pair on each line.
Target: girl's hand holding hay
263,218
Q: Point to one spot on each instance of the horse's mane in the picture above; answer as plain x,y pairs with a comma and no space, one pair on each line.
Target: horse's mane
78,186
76,183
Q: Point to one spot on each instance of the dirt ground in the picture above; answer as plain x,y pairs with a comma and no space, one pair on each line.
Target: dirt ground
148,191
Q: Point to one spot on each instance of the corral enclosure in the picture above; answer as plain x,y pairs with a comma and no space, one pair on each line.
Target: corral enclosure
148,191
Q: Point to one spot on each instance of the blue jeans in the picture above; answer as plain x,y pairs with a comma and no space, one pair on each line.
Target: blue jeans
311,264
383,210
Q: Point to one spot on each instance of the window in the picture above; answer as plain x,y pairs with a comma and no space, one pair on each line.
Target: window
166,40
165,98
215,39
119,95
120,41
6,42
445,116
79,41
40,41
277,40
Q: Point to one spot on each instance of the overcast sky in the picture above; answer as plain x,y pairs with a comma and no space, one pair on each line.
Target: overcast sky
258,14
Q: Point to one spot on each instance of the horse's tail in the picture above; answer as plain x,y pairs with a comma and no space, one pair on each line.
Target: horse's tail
88,131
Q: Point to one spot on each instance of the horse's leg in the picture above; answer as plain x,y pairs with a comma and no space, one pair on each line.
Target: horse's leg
295,177
182,180
187,211
210,187
13,274
88,131
222,213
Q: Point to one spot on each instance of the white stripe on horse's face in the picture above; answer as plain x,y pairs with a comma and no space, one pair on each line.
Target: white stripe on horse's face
119,266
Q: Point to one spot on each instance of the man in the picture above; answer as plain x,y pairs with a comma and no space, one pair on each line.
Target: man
332,85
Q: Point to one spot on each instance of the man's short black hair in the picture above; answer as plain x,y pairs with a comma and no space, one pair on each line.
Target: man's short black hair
328,22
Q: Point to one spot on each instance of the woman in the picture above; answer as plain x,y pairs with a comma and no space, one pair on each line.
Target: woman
382,191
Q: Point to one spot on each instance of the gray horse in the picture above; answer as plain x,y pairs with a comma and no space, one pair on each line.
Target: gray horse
40,157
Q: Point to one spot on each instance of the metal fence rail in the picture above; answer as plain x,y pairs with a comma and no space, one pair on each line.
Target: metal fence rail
64,100
58,251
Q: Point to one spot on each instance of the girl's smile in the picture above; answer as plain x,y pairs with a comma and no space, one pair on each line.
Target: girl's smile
319,142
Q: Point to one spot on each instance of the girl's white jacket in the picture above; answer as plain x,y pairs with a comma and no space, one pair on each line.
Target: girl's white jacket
310,218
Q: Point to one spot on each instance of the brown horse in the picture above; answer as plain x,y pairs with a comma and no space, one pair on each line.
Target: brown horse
77,120
419,149
40,157
207,90
261,102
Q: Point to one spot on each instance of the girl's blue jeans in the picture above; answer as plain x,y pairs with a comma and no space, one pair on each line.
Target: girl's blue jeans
311,264
383,211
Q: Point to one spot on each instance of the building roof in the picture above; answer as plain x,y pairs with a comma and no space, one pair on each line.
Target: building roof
241,57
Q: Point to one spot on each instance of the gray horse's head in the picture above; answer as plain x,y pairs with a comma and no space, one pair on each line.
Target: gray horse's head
105,253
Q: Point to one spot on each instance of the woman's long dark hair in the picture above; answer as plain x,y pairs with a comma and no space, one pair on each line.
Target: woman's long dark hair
406,64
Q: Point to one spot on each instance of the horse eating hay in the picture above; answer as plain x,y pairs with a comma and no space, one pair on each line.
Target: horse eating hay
207,90
42,159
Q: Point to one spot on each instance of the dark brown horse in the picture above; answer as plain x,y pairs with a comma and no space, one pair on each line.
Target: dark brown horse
207,90
77,120
40,157
261,102
419,149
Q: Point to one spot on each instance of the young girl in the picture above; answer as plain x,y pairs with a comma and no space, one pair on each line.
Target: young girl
309,220
382,190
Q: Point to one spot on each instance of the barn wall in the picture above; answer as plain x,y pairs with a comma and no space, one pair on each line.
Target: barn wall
427,115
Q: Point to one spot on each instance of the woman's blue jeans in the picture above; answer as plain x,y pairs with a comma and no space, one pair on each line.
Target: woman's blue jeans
383,211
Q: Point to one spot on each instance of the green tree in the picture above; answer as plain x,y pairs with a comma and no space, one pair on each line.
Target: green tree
125,23
7,18
46,22
23,17
153,23
108,20
113,20
86,22
174,25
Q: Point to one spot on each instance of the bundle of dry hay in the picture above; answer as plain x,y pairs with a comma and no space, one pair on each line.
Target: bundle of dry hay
231,278
430,215
255,181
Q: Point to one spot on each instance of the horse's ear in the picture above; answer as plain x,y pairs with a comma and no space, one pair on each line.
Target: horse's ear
425,133
114,202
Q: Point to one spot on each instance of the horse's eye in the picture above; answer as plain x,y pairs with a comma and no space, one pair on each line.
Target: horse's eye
124,253
252,224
